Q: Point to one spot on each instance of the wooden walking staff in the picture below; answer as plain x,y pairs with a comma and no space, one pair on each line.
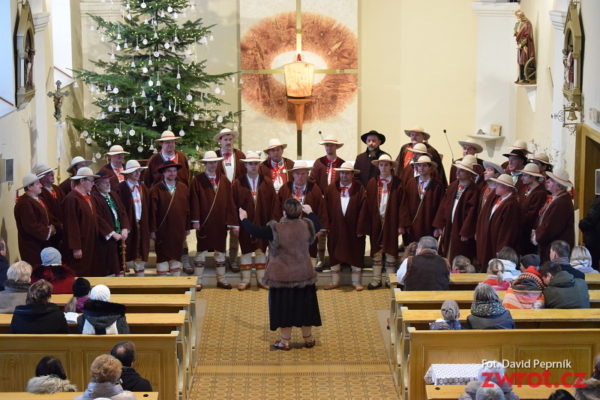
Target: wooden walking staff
124,266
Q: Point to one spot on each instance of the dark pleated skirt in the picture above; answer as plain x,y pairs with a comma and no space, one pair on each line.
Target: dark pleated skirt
293,307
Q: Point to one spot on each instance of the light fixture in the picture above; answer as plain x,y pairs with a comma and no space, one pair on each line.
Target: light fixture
298,84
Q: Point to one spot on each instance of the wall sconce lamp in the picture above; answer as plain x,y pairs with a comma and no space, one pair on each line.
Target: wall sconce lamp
298,83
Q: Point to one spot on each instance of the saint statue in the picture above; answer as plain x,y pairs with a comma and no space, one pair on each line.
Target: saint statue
525,47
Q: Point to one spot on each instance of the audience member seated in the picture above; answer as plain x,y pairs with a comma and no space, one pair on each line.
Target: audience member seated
493,372
525,292
130,379
427,270
450,316
50,377
3,263
562,289
487,311
561,394
106,372
529,260
591,391
495,271
581,260
100,316
462,265
510,260
52,269
559,253
39,315
490,392
409,251
81,293
16,286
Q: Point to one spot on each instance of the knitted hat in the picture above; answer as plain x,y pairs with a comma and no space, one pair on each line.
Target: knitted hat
450,310
51,256
81,287
100,292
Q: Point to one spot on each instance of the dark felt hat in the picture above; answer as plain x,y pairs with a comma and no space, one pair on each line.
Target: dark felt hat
168,164
364,136
516,153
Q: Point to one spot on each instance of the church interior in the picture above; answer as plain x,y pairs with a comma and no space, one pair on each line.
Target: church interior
76,84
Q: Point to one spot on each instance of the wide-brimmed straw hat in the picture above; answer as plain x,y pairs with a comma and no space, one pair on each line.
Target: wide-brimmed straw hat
273,143
386,158
28,179
561,177
471,142
364,136
466,165
300,165
541,157
532,169
76,160
210,156
425,159
169,164
251,156
418,129
493,165
331,140
84,172
116,149
420,148
42,169
347,167
505,180
224,132
168,136
132,166
519,145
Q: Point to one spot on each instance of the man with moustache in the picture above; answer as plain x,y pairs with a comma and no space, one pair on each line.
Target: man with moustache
276,166
364,161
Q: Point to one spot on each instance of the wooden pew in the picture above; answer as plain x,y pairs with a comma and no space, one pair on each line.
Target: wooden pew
579,346
66,396
157,359
146,284
452,392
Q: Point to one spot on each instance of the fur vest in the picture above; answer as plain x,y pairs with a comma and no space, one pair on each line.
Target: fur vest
46,384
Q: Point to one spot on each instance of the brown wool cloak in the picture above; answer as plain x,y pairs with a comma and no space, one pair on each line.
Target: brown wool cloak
239,169
81,232
214,210
152,175
319,172
417,215
138,241
484,253
261,211
107,259
433,153
464,224
170,223
530,210
264,168
54,206
366,168
32,226
555,224
382,236
343,243
114,179
503,228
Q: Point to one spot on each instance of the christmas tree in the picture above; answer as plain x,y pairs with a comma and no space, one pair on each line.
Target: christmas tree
150,82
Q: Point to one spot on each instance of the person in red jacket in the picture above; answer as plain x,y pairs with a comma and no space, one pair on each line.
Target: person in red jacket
54,271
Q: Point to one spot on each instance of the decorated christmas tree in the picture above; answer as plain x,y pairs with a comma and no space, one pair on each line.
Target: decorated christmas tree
150,83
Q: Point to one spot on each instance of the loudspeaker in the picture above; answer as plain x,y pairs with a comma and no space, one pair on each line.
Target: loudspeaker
597,191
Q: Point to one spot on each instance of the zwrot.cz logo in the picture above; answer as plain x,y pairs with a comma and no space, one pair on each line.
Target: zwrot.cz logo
533,379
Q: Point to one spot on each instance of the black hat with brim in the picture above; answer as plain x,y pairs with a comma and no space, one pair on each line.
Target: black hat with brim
364,136
517,153
168,164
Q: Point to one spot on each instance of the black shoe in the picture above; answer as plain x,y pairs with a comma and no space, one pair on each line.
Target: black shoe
234,267
223,285
371,286
320,267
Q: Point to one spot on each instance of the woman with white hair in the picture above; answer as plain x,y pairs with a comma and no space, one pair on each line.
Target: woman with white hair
487,311
106,376
100,316
15,288
492,373
581,260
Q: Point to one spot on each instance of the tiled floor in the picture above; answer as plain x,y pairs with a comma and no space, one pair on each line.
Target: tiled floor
236,362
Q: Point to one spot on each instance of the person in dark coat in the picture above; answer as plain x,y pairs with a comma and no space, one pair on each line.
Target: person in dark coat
168,152
276,166
80,223
135,198
54,271
76,163
344,201
114,168
379,219
517,158
418,135
421,200
130,379
364,161
33,221
556,217
456,219
562,289
105,372
38,315
427,270
169,219
590,227
52,196
100,316
290,274
560,252
255,194
487,311
469,147
3,263
531,199
212,214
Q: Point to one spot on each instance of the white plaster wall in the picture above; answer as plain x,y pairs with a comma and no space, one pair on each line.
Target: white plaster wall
590,11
